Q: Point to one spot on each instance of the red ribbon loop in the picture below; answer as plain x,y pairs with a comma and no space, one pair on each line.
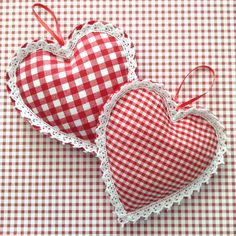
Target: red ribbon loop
184,104
57,35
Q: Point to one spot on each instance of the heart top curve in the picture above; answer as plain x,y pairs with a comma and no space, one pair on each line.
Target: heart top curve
61,90
152,155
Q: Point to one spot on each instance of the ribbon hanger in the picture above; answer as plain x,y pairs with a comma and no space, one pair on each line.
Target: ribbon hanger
190,101
56,35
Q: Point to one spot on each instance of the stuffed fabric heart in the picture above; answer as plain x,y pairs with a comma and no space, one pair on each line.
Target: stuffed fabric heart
61,88
151,154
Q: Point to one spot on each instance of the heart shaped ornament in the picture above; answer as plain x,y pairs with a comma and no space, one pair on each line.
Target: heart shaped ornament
60,88
151,154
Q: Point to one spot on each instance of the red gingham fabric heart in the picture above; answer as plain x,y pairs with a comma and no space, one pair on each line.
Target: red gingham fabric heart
65,87
152,155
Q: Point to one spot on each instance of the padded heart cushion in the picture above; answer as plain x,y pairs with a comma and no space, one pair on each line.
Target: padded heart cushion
152,155
66,87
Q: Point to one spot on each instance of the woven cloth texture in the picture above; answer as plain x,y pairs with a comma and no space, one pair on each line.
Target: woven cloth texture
150,157
50,189
69,94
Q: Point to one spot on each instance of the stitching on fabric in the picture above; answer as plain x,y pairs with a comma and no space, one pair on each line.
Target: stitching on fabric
156,207
65,52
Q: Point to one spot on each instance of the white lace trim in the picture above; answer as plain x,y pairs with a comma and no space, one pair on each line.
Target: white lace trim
156,207
65,51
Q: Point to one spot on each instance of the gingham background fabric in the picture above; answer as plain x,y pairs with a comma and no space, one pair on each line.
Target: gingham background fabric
50,189
149,156
69,93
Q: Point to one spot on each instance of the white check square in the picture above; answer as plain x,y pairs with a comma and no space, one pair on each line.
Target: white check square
69,98
87,65
82,94
40,95
36,83
73,111
91,77
104,72
34,71
62,74
86,106
57,103
83,54
65,86
52,91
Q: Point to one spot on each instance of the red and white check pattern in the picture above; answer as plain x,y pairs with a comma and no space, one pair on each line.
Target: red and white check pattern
50,189
69,94
150,156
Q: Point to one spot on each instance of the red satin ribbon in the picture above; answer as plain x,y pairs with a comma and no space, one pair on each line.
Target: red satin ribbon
57,35
184,104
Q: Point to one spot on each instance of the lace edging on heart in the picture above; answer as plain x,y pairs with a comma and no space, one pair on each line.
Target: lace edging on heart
65,52
187,191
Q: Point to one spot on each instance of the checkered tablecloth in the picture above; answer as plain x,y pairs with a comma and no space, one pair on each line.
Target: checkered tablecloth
50,189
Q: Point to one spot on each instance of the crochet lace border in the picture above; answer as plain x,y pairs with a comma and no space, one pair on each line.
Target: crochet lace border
65,52
156,207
